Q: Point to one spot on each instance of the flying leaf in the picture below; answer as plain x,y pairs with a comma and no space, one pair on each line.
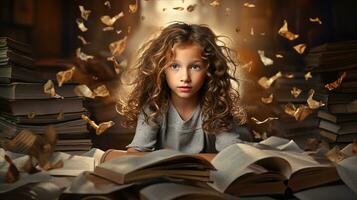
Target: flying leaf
289,75
107,3
299,113
101,91
83,90
215,3
49,88
268,99
249,5
84,42
81,25
133,7
300,48
337,83
308,76
295,92
82,55
118,47
313,104
109,21
108,28
316,20
99,129
284,31
278,55
266,83
266,61
64,76
84,13
264,121
260,136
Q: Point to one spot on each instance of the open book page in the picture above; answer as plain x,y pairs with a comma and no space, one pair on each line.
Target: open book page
171,191
298,161
331,192
128,164
73,166
96,154
87,183
279,143
233,162
347,169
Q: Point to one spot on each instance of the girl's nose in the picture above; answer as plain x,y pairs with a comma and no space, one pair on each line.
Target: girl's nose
185,75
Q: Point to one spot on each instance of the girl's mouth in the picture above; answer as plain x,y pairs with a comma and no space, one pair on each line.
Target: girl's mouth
184,89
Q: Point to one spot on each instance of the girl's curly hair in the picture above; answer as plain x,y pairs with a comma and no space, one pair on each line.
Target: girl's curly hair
219,100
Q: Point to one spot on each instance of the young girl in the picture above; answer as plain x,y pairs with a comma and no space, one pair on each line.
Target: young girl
183,97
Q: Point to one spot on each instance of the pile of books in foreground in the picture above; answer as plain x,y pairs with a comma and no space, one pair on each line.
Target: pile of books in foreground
26,105
275,167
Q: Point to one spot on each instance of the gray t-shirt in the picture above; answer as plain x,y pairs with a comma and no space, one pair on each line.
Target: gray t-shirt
185,136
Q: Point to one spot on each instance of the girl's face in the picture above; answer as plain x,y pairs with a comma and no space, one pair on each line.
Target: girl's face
186,73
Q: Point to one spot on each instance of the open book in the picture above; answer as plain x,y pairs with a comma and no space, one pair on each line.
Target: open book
160,163
245,170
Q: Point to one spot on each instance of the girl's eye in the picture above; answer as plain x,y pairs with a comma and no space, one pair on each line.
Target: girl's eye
195,67
174,66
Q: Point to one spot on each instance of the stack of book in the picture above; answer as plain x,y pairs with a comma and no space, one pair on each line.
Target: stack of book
293,88
337,63
25,105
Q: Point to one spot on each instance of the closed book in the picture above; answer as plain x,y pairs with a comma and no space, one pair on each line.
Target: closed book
42,119
335,46
9,43
41,106
343,108
14,72
9,56
340,128
334,137
336,118
20,90
10,129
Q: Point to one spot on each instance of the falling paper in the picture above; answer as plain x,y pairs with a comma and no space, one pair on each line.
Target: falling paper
337,83
81,25
109,21
300,48
264,121
308,76
266,83
283,31
313,104
64,76
295,92
268,99
266,61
